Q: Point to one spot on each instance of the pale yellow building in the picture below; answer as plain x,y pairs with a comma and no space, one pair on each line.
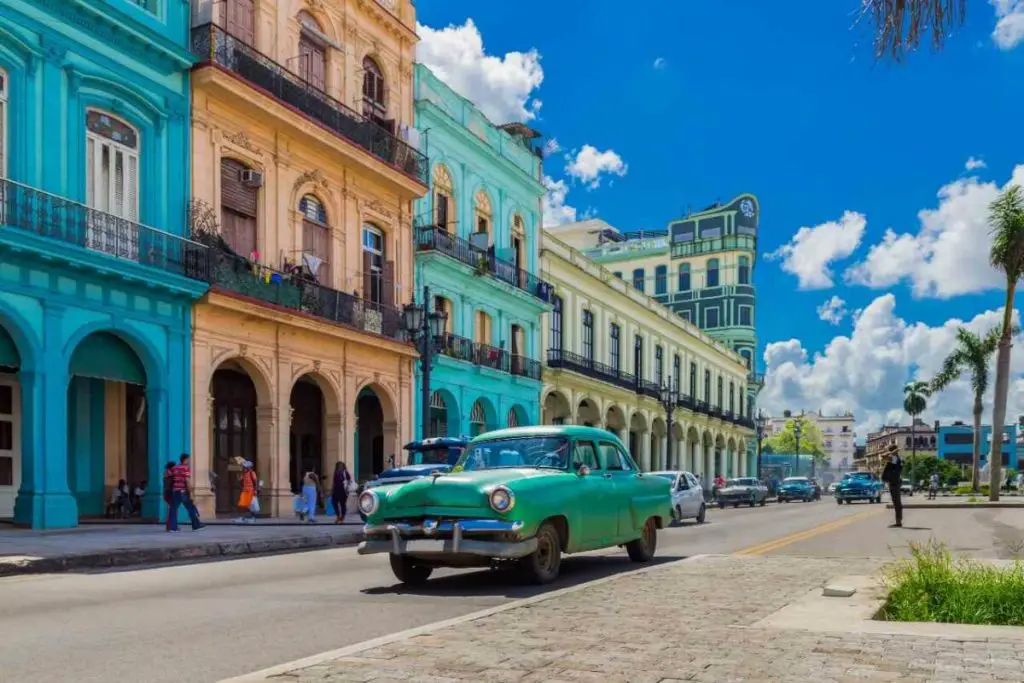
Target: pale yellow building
610,352
305,165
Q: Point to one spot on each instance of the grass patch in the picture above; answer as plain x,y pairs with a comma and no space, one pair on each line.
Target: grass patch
965,490
932,586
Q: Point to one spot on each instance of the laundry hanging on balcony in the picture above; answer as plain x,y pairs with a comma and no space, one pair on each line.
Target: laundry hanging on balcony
312,262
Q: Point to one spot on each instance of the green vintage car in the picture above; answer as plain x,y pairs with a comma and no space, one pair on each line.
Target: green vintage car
523,496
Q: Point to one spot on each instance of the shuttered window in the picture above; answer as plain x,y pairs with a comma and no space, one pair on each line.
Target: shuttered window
374,91
241,20
375,267
238,209
316,238
112,185
312,55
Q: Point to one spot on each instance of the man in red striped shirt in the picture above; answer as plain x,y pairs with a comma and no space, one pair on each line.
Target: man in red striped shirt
181,494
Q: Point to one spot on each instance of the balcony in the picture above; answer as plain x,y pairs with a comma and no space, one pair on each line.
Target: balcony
566,360
212,45
486,356
301,294
755,378
647,388
46,215
433,238
712,244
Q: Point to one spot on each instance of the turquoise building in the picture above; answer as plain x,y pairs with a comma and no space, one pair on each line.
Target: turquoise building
96,281
477,249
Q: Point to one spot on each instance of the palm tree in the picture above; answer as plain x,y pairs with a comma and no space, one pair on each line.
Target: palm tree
971,353
1006,218
914,402
901,24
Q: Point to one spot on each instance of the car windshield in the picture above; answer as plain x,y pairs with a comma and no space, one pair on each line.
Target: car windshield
795,480
741,482
858,475
548,452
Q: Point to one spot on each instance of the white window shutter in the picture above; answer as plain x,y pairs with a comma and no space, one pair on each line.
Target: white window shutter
132,189
90,171
117,196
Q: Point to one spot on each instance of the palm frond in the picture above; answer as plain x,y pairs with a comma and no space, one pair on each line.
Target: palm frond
952,368
1006,220
900,25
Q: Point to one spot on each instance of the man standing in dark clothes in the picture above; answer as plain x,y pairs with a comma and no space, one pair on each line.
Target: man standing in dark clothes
893,476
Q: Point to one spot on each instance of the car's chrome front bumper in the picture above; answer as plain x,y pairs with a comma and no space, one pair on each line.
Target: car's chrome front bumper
857,495
446,538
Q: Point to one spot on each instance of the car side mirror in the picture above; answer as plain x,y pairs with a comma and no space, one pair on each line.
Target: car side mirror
583,471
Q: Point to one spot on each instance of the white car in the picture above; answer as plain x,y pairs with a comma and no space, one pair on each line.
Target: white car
906,488
687,496
832,487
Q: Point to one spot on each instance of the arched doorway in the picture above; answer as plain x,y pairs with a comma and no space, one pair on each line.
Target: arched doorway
481,417
587,414
637,445
615,422
678,438
306,436
108,431
556,409
369,434
658,446
517,417
10,424
234,431
721,466
444,414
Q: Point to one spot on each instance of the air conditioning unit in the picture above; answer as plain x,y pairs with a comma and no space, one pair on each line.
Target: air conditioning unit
251,178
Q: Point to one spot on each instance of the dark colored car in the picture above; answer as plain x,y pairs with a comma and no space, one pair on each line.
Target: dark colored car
859,486
425,457
798,488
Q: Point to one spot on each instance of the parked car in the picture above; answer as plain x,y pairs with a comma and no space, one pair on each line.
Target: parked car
798,488
425,457
687,496
859,486
522,496
742,491
906,488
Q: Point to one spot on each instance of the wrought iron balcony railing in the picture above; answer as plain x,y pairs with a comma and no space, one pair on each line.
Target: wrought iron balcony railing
487,356
213,45
560,359
47,215
302,294
434,238
648,388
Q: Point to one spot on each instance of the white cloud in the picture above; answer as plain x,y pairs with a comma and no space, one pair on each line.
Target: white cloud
866,371
974,164
502,87
833,310
659,63
811,252
552,147
556,211
949,254
589,164
1009,30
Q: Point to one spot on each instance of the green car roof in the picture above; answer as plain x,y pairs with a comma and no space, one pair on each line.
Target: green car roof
571,431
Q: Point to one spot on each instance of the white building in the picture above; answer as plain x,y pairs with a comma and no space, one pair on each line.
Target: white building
837,434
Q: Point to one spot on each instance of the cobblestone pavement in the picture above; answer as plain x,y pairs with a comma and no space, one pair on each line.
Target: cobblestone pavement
689,621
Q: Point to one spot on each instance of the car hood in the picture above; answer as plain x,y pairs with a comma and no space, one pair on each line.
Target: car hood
459,489
736,489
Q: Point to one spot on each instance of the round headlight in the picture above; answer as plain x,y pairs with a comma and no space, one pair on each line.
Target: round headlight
368,502
502,500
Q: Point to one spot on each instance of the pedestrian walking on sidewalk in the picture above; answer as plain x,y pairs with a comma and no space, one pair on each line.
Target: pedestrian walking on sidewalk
182,494
339,491
248,500
933,486
892,474
310,486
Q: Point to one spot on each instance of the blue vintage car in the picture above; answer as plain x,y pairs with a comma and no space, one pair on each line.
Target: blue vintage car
859,486
798,488
425,457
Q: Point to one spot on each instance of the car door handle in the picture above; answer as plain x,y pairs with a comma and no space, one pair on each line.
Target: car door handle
607,475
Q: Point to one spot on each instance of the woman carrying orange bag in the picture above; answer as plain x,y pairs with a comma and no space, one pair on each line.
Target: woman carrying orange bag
248,500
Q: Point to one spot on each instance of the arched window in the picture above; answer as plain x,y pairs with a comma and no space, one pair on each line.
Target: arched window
444,200
684,277
743,276
513,418
438,415
312,51
240,19
712,273
238,202
484,217
477,419
375,104
660,280
316,238
112,165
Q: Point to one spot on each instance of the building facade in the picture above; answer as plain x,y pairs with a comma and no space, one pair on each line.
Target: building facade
304,177
477,248
97,281
956,443
837,434
922,439
611,350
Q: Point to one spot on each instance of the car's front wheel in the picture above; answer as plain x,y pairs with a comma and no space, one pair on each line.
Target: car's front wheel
642,549
543,564
409,572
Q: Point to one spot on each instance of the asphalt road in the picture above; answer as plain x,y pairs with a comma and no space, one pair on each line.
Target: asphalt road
206,622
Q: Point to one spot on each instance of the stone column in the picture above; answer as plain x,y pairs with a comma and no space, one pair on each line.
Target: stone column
663,463
153,505
276,498
392,445
202,457
333,439
645,451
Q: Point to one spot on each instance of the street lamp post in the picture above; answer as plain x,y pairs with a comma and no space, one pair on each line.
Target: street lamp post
669,397
797,429
425,328
760,423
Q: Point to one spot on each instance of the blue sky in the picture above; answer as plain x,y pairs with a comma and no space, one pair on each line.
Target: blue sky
688,101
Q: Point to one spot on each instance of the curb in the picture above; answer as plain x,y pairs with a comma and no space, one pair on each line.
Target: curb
959,506
128,557
350,650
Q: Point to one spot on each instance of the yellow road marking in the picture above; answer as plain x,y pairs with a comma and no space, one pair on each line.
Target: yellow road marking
775,544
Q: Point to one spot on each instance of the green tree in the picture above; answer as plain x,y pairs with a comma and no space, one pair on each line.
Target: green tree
915,400
810,440
900,25
972,353
1006,219
925,465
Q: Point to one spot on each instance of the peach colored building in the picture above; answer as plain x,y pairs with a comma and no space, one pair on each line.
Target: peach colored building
304,173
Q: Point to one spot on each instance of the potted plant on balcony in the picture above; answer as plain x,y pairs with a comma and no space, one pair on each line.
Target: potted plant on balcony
483,266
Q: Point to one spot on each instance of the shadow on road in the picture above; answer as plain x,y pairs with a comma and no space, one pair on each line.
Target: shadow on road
505,582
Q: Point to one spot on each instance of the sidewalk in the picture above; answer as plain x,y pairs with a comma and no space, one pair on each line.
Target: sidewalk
94,546
694,620
921,502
